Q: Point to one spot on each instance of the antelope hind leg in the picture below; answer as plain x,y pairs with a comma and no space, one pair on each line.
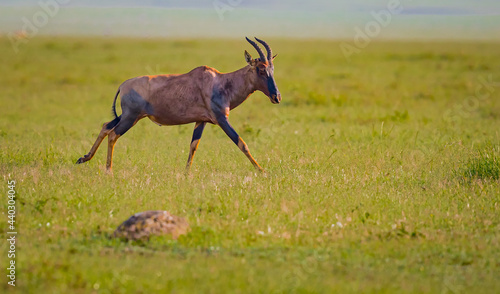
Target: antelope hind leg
106,129
121,128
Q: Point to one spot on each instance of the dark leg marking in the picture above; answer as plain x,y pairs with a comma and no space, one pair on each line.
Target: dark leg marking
228,129
195,141
198,131
113,123
124,125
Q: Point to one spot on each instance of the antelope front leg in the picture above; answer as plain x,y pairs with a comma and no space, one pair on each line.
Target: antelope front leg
228,129
195,141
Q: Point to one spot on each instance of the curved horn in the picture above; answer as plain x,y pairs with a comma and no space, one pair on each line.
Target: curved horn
261,55
268,49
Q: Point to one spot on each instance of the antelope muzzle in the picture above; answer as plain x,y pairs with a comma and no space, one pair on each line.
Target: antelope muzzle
276,98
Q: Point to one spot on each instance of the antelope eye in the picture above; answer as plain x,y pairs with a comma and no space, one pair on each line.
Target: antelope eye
262,72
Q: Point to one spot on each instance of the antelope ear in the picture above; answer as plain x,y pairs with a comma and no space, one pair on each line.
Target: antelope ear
248,57
274,57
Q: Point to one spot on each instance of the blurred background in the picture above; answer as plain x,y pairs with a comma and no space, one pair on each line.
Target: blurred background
424,19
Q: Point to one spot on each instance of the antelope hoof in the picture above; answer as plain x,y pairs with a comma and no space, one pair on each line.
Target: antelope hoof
82,159
109,169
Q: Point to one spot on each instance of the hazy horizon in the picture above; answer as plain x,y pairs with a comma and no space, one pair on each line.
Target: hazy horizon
314,19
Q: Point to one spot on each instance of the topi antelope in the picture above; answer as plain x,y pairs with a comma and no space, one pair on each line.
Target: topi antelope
204,95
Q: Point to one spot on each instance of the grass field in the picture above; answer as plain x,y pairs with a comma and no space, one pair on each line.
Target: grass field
382,173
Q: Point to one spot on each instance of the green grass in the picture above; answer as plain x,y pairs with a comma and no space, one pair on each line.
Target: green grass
382,172
484,166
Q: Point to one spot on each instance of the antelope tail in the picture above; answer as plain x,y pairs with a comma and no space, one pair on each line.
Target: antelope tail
114,103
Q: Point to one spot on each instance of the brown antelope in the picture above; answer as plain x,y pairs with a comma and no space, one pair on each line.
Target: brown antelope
204,95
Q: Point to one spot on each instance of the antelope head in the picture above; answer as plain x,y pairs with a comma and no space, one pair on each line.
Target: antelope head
264,71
